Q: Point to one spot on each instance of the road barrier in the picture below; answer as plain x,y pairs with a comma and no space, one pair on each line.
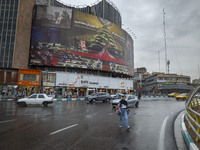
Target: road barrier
70,99
192,117
154,96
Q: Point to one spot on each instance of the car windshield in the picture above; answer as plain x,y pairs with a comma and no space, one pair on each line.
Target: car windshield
173,93
32,96
93,94
183,94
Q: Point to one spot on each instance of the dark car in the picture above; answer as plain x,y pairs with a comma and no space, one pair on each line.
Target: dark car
104,97
17,97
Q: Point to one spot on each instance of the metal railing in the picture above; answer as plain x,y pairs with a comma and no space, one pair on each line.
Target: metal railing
192,116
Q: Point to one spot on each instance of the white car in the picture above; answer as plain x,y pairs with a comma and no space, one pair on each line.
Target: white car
116,96
36,99
131,99
197,95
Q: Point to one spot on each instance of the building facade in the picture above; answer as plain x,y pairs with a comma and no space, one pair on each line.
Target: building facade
166,83
49,36
196,81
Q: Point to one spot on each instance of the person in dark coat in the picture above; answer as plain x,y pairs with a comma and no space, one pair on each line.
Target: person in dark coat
139,95
123,107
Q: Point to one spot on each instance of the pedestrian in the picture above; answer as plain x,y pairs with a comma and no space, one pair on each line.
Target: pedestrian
123,107
139,95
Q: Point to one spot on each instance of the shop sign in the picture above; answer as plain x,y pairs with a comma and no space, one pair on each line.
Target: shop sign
62,84
84,82
94,83
28,77
122,84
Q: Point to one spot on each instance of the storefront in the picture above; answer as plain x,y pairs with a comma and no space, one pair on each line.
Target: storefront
29,81
8,82
80,85
48,83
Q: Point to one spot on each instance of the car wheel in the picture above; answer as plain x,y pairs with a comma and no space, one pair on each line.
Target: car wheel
94,100
184,99
45,104
136,105
107,100
23,104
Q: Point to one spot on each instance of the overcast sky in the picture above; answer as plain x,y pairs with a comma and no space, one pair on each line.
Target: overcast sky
145,19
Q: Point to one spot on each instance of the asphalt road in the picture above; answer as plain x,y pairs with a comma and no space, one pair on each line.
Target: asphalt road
76,125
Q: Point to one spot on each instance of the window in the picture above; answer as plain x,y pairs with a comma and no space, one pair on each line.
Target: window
40,96
33,96
29,77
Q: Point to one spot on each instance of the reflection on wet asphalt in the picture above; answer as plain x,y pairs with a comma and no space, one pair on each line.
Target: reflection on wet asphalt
78,125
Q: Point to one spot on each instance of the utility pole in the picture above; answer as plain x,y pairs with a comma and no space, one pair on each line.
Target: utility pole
103,3
199,72
159,60
165,43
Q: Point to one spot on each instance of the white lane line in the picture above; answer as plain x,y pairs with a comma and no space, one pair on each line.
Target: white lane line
7,121
162,134
63,129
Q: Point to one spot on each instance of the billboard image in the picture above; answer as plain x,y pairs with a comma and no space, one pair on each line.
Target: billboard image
53,17
91,42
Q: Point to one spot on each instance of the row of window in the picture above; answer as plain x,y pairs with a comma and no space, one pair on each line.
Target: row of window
8,19
174,79
9,2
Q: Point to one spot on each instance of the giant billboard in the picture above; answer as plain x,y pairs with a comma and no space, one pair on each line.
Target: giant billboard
84,41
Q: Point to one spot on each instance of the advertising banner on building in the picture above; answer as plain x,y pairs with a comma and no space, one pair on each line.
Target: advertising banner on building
48,79
64,79
53,17
87,42
28,77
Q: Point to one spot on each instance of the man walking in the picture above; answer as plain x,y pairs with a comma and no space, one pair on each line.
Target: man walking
123,106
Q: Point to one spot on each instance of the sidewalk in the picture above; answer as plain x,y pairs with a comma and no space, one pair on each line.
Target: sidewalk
183,138
178,132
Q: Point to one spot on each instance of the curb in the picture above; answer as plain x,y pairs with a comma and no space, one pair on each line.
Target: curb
186,136
4,99
55,99
69,99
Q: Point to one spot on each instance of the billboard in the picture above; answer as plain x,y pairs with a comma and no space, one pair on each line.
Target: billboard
53,17
92,81
88,42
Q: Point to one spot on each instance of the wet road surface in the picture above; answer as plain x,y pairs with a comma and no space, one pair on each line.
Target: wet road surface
76,125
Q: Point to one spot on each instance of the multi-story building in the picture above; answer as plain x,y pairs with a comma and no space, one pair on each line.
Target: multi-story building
196,81
139,79
78,49
166,83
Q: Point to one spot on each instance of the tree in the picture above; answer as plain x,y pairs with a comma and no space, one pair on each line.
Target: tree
103,39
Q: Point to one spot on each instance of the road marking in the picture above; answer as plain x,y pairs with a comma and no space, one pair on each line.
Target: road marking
162,134
7,121
110,114
63,129
29,114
